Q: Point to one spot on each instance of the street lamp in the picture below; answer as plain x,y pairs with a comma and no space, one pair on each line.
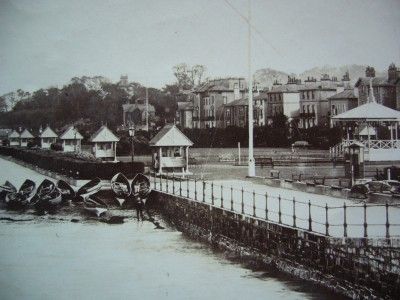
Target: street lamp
132,134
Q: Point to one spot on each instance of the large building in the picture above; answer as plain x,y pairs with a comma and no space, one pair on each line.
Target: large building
236,112
283,99
135,113
314,103
205,110
385,88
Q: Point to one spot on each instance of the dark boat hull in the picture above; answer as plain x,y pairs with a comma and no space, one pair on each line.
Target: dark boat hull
67,192
90,188
141,185
120,185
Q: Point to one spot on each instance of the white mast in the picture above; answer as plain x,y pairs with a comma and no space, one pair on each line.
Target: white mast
147,109
251,163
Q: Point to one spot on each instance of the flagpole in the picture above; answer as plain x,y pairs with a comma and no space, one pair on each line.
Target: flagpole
251,163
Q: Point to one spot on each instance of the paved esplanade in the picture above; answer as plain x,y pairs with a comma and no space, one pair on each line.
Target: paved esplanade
263,202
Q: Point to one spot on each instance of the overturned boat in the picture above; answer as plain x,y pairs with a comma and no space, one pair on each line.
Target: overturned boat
90,188
48,196
94,205
20,199
121,187
7,188
67,192
141,185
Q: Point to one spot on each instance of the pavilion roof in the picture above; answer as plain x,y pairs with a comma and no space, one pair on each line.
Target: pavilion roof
170,135
371,111
104,135
48,133
71,134
26,134
14,134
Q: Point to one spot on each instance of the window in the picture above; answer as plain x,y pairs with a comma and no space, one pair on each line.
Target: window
308,108
308,95
312,95
225,99
212,99
312,108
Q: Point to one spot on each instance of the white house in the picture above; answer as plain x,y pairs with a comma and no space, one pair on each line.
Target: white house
14,138
25,138
71,139
105,144
170,151
47,137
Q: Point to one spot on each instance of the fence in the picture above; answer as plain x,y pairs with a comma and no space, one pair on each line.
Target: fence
344,220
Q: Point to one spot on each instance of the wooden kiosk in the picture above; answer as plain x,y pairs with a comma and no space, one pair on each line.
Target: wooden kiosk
47,137
104,144
170,151
71,140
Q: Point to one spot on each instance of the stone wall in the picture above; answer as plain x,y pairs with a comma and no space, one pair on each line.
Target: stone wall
358,268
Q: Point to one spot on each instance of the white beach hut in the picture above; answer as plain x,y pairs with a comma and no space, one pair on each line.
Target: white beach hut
171,151
14,138
25,138
47,137
104,144
71,139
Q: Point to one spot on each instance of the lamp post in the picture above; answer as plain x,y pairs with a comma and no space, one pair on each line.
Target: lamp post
132,134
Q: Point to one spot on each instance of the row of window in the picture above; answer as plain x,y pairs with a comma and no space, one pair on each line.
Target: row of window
209,101
310,108
307,95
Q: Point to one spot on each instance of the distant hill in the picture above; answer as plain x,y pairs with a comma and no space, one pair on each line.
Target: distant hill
13,97
266,77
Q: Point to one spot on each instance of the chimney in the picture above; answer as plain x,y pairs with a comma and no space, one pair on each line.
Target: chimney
369,72
392,73
346,80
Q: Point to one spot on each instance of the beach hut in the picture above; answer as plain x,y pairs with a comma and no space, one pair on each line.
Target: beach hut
170,151
14,138
104,144
25,138
47,137
71,139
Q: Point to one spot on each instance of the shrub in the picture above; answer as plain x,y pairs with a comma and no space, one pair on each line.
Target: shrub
56,147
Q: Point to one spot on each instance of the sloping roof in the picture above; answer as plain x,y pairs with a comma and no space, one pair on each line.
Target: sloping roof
369,112
14,134
104,135
26,134
346,94
71,134
170,135
48,133
286,88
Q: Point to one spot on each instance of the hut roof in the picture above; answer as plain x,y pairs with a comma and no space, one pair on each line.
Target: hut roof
14,134
170,135
48,133
104,135
26,134
71,134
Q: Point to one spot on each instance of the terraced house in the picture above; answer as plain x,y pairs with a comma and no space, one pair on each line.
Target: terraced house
205,108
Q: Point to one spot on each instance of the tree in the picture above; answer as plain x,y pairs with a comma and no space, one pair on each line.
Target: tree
3,105
187,77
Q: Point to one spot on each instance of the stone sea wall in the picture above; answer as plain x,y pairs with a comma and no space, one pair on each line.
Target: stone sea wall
356,267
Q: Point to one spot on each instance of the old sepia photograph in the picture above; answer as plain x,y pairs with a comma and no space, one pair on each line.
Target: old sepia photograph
200,149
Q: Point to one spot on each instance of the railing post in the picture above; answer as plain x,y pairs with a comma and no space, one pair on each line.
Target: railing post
204,191
266,206
242,202
212,193
231,198
195,189
180,187
160,182
365,221
173,183
187,187
387,221
294,212
254,203
155,178
326,220
167,182
279,211
309,216
344,220
222,196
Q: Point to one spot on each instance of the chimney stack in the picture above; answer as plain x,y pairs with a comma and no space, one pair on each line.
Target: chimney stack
369,72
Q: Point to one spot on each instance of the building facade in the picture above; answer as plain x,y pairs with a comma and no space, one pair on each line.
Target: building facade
206,109
135,113
385,88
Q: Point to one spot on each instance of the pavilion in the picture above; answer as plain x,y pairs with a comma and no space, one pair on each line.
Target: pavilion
71,140
47,137
25,138
364,120
105,144
170,151
14,138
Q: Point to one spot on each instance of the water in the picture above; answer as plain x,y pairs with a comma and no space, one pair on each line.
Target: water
58,259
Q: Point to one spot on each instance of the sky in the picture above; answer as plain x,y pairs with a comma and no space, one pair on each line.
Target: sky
47,42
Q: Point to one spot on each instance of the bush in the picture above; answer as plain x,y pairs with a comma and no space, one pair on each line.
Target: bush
56,147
